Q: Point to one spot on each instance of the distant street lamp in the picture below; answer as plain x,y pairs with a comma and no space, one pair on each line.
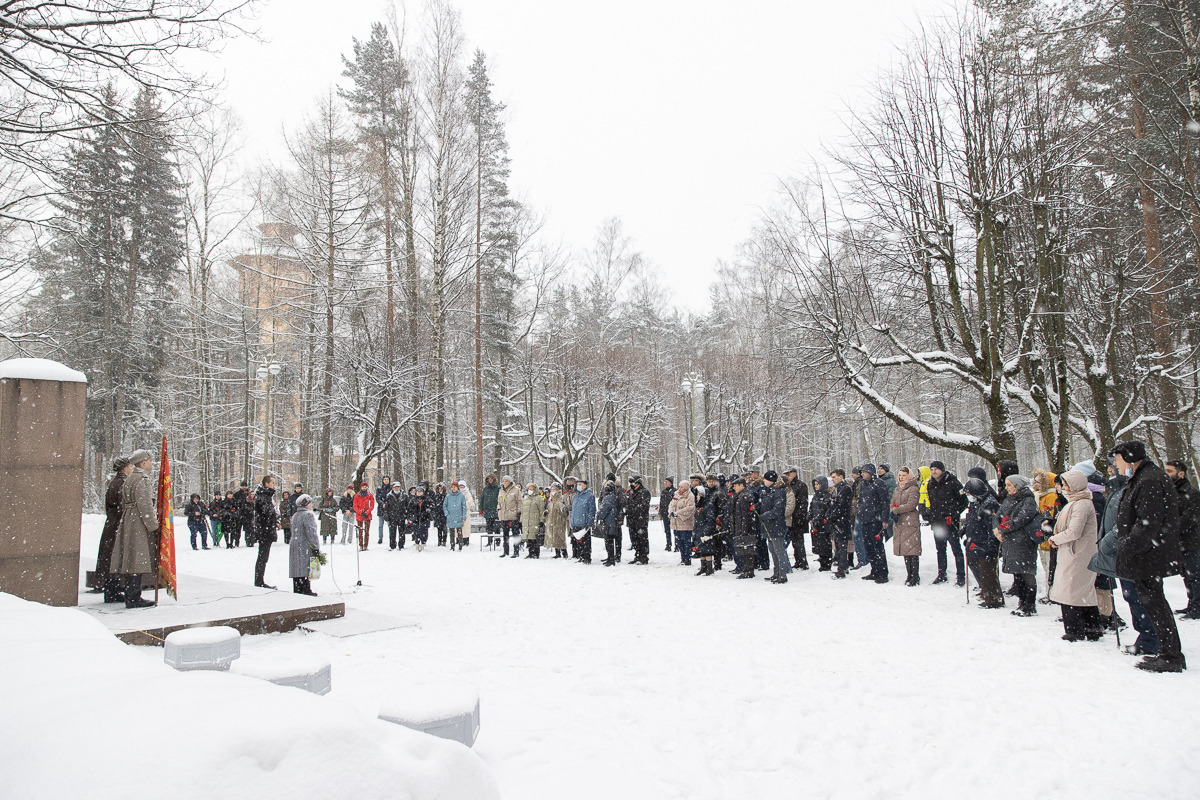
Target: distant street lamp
265,373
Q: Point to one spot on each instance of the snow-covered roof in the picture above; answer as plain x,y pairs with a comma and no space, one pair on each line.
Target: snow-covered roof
40,369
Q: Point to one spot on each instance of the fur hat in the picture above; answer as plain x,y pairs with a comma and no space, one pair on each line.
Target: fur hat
1132,451
138,456
304,500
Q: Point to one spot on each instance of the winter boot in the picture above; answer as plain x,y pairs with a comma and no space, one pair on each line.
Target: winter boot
941,578
113,593
133,593
1163,663
748,572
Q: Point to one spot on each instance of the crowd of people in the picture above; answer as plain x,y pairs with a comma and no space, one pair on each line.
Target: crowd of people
1089,532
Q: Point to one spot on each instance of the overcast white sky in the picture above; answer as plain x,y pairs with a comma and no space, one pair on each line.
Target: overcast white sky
677,117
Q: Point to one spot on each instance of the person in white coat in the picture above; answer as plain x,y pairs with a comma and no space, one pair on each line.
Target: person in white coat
1075,540
470,498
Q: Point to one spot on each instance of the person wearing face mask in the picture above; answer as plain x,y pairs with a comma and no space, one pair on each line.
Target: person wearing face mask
489,502
454,508
508,511
533,515
1147,532
583,515
683,518
394,509
558,514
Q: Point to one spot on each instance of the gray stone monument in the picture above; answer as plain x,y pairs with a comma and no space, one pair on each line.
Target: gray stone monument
42,416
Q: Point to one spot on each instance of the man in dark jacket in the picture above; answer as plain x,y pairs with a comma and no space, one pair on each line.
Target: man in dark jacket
266,522
1189,536
196,511
745,527
664,503
874,506
243,506
841,520
381,496
489,505
818,517
797,522
872,515
637,517
946,504
772,513
1148,546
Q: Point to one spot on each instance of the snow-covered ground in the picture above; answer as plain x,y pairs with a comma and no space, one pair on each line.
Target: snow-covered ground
648,682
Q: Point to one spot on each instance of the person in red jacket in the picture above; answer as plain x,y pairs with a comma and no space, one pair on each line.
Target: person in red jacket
364,509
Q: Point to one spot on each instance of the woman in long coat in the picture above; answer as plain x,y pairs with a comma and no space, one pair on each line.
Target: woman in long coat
111,586
533,513
304,545
683,519
1075,540
137,539
454,508
557,514
906,533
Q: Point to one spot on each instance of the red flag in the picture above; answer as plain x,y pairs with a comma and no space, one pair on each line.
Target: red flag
166,527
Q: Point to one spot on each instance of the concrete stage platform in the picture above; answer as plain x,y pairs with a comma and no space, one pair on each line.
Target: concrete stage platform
205,602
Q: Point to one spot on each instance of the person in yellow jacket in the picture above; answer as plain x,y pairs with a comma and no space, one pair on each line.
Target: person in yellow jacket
1047,497
923,502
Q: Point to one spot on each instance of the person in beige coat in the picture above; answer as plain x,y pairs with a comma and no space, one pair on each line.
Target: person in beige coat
533,514
558,512
508,512
137,540
683,519
906,533
1075,541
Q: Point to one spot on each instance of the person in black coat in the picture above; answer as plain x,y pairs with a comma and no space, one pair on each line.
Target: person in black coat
243,504
394,508
745,527
664,503
818,518
874,508
382,493
798,524
437,514
1189,536
983,548
704,530
841,520
420,515
266,522
637,518
717,496
946,504
197,511
1148,546
112,587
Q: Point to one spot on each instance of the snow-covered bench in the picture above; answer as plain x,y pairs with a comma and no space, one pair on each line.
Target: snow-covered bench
311,674
448,714
202,648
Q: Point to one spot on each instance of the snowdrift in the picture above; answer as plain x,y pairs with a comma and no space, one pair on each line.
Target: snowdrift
87,716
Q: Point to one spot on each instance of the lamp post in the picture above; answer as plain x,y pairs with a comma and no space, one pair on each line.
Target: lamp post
691,385
266,372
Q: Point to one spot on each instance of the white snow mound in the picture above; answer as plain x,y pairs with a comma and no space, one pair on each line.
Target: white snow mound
91,717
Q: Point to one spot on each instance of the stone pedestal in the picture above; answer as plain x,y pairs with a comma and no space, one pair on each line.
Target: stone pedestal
42,416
